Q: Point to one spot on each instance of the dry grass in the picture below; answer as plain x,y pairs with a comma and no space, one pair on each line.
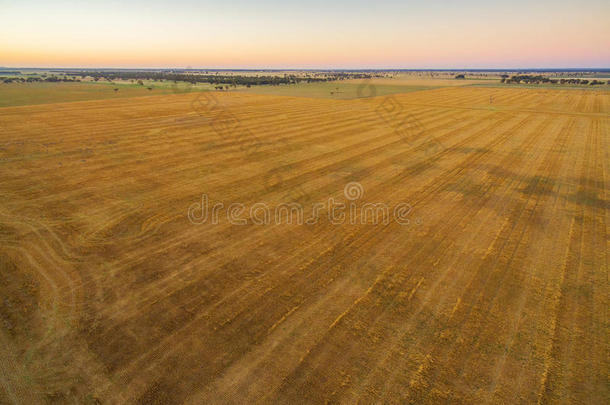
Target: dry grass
497,291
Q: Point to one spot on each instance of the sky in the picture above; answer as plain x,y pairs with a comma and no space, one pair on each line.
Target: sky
311,34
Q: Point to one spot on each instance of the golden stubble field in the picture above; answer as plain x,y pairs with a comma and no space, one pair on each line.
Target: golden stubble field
496,291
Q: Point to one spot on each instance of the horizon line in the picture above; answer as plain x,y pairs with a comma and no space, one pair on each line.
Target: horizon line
189,68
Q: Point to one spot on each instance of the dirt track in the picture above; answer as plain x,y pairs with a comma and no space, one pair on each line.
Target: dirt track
496,291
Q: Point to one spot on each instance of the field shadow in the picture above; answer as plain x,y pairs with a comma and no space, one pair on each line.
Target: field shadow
466,150
577,190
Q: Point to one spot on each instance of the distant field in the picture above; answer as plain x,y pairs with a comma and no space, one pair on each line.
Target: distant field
15,94
546,86
342,90
435,81
352,89
495,291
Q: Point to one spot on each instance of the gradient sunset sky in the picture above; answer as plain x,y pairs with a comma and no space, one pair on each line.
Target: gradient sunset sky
305,34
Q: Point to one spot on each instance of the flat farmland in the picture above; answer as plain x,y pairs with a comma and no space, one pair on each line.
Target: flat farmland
14,94
494,290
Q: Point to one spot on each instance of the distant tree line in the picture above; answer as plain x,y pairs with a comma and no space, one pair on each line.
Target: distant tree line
53,79
538,79
217,79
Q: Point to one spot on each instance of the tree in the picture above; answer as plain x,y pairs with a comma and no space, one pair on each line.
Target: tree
140,83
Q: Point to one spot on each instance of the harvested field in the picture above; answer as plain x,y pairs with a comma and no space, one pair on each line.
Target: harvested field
496,291
18,94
